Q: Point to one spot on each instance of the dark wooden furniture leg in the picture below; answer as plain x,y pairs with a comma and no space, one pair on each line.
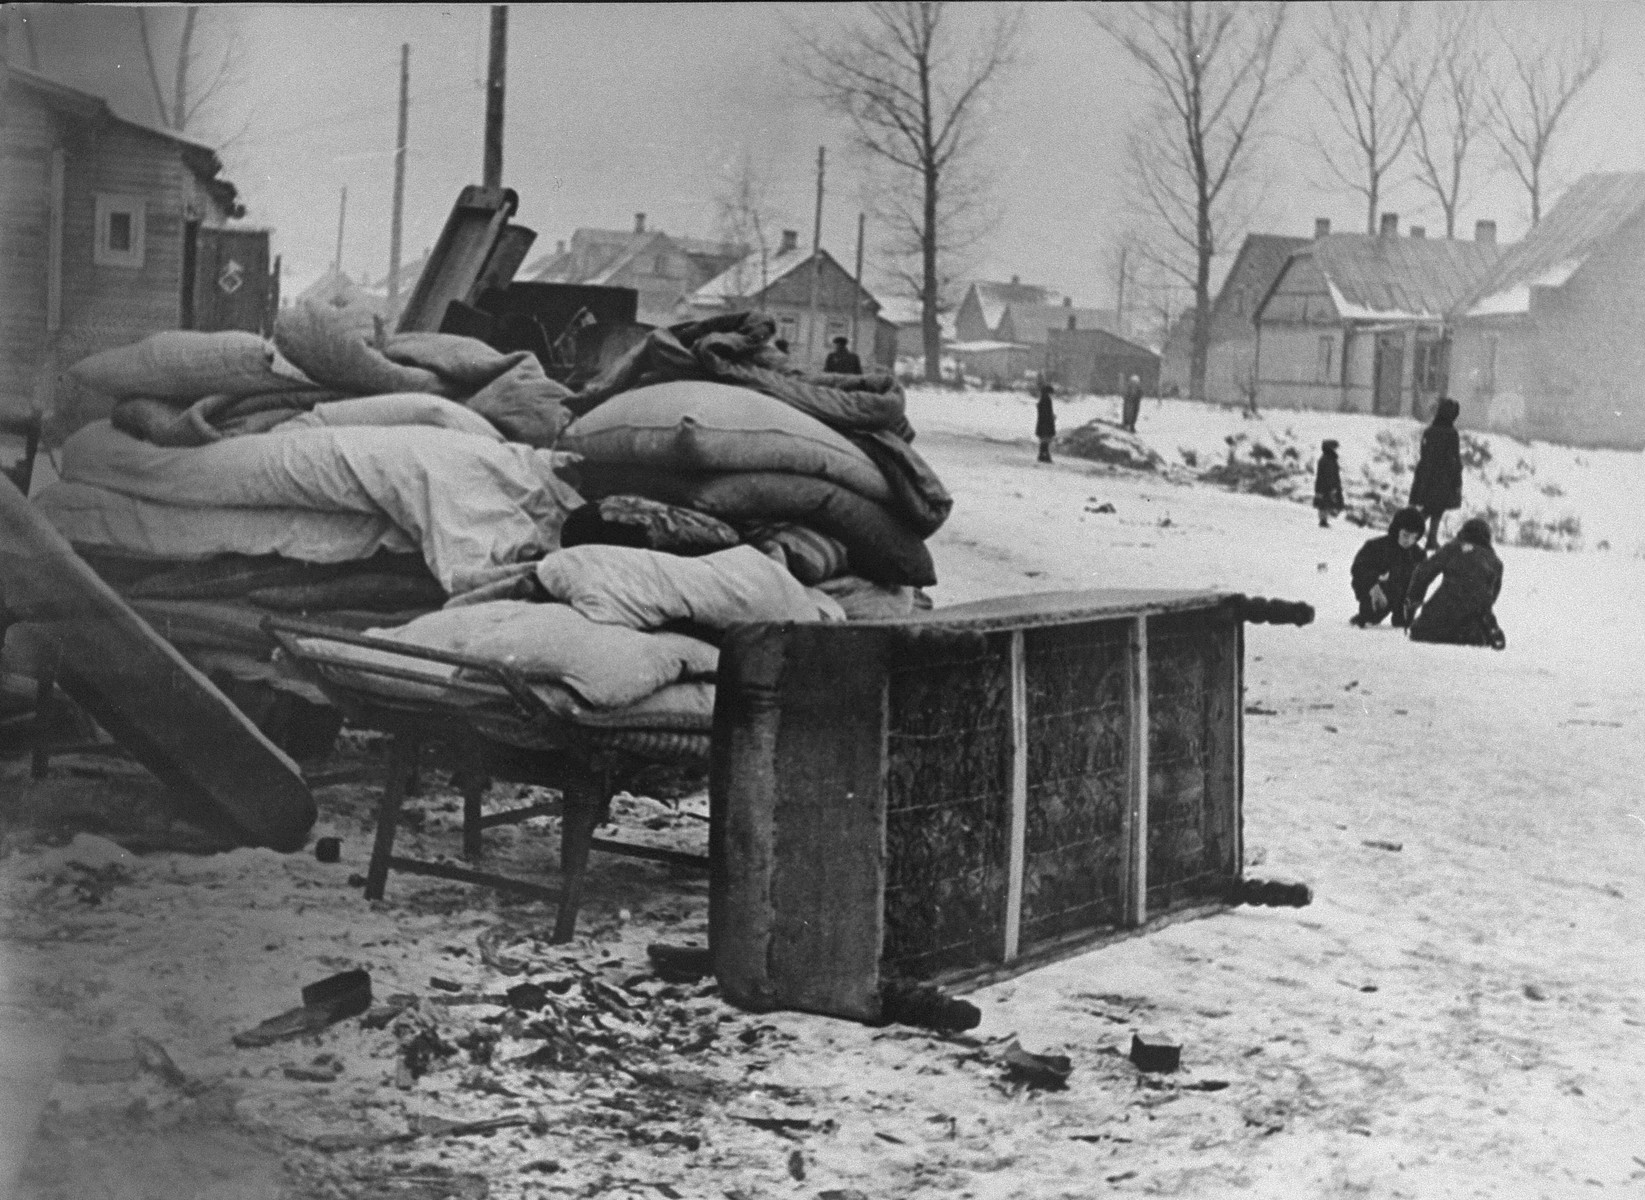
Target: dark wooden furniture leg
402,760
474,783
44,694
585,805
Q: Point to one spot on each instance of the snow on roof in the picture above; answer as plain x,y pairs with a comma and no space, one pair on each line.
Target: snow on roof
1594,208
980,347
994,296
733,283
1034,322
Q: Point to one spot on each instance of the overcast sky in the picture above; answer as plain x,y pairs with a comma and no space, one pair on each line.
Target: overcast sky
618,109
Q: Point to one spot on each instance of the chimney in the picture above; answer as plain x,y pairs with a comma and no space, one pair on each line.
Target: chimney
1322,227
1390,225
559,246
1417,231
1068,302
1070,319
1485,233
791,241
1015,280
639,222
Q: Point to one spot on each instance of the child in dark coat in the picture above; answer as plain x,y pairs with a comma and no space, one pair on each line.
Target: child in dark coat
1328,483
1461,609
1436,485
1045,422
1381,574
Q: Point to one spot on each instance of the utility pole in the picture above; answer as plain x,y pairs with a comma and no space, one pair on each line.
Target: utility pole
342,211
496,72
1119,302
816,261
856,301
399,184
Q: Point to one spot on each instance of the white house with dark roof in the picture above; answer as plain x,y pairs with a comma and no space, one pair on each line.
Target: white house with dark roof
1551,342
1357,322
977,319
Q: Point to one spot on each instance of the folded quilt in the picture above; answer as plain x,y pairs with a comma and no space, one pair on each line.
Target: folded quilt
646,589
605,666
467,503
96,518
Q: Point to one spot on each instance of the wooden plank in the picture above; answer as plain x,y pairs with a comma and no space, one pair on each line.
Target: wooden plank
143,691
459,256
1136,897
1019,798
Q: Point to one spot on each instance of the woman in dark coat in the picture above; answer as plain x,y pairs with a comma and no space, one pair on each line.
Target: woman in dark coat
1381,574
1436,488
1045,424
1460,611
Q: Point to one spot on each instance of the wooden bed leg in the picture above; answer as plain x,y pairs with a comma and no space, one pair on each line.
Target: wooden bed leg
474,784
402,761
45,693
414,778
584,800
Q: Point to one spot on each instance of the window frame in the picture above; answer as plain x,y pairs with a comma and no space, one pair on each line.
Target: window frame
108,206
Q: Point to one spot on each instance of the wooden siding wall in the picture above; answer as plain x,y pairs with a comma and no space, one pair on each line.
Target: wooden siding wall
1490,399
837,292
101,306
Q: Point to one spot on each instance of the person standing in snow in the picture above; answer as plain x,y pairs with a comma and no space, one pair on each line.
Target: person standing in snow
1131,404
1045,423
1436,487
842,360
1381,574
1328,483
1460,611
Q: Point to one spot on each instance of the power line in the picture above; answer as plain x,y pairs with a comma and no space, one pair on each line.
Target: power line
365,112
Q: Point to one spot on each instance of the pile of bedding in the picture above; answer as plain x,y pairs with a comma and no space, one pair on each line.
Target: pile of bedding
438,493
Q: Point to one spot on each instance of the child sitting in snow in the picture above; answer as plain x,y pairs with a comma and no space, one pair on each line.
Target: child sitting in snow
1327,483
1381,574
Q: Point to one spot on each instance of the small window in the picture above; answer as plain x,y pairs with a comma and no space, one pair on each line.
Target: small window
120,230
788,328
1327,347
660,267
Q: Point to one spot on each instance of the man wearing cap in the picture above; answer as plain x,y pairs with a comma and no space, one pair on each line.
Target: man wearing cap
842,360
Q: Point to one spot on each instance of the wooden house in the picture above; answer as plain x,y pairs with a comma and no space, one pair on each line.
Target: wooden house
1357,323
783,285
978,317
1551,343
1032,325
109,231
664,269
1231,352
1098,363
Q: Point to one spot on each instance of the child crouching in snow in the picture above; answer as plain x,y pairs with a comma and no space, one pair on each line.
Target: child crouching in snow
1328,483
1461,609
1381,574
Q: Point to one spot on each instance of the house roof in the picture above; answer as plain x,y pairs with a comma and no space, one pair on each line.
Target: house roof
1034,322
731,283
1261,257
615,249
1104,341
1370,277
993,297
197,156
1593,209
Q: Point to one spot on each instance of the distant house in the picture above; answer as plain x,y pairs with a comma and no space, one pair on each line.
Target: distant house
1098,363
1551,343
782,286
665,269
1356,322
978,317
998,364
1231,351
1032,324
109,231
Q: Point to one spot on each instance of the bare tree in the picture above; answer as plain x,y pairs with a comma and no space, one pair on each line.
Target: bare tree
1450,105
915,89
194,84
1212,71
745,218
1364,78
1536,91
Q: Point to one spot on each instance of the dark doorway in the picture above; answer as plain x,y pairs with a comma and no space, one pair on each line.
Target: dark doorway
1387,370
233,285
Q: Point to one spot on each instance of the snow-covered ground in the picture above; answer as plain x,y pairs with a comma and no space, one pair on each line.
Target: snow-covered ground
1460,1016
